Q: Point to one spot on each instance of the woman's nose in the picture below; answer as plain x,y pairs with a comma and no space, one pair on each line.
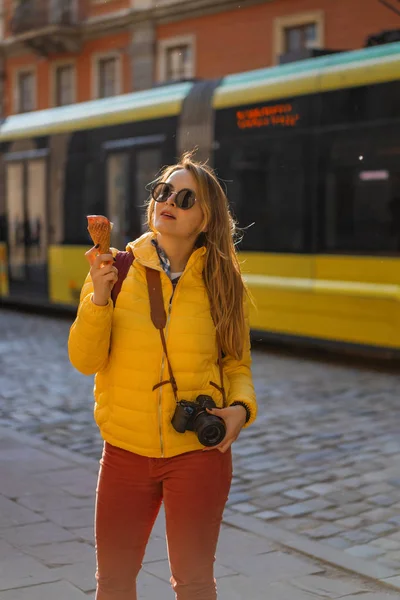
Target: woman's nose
170,199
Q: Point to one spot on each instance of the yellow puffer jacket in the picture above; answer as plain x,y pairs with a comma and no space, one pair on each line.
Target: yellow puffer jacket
122,346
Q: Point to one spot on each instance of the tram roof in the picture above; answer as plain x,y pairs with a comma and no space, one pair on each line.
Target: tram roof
137,106
336,71
377,64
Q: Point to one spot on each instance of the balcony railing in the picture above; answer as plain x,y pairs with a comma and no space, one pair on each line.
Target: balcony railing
31,15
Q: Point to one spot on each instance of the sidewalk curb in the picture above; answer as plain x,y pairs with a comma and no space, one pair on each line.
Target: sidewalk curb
369,570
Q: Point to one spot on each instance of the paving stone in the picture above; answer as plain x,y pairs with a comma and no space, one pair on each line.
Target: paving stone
358,536
350,522
321,488
7,551
268,515
378,515
382,500
236,497
296,510
338,542
22,571
35,462
387,544
323,587
324,531
244,507
84,534
60,554
272,488
275,566
72,517
62,590
328,515
365,551
395,556
376,489
37,533
381,528
344,497
354,509
297,494
272,501
75,481
249,544
12,514
56,500
352,483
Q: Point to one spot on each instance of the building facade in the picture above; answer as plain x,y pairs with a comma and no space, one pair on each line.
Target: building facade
58,52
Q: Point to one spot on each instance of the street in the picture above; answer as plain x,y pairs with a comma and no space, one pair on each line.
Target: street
318,472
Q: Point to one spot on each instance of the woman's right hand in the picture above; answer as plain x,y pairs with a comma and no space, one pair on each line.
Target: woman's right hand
104,275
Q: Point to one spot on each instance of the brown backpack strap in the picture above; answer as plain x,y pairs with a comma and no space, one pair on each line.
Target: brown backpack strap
159,318
123,262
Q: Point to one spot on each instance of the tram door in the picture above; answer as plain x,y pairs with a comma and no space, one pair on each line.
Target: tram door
129,171
26,208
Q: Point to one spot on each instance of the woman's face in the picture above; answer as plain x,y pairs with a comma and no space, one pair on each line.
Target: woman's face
169,220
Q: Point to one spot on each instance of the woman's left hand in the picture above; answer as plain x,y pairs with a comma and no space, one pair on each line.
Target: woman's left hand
235,418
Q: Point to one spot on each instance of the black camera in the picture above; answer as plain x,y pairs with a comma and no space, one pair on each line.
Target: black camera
192,416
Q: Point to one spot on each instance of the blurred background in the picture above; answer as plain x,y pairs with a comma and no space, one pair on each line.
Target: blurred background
296,104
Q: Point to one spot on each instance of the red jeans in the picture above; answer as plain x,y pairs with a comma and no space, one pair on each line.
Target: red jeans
194,487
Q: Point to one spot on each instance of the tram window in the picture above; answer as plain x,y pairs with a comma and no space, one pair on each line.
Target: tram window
148,162
82,197
362,208
360,104
118,197
267,194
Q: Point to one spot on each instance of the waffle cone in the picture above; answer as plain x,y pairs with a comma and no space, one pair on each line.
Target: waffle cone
99,229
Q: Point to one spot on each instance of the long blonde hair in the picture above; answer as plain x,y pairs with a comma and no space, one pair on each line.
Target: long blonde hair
222,276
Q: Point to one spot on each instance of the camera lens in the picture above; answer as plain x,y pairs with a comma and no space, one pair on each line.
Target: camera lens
210,429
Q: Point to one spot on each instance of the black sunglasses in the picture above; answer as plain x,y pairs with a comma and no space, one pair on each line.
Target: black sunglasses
184,199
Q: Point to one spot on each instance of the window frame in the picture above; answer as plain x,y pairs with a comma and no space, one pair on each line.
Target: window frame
281,24
53,88
28,70
167,44
2,19
96,60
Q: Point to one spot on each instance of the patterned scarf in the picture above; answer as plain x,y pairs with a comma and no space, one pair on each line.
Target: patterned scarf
164,260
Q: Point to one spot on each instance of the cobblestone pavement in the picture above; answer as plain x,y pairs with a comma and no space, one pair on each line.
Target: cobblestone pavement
322,460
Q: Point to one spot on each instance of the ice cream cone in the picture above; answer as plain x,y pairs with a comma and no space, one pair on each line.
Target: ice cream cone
99,228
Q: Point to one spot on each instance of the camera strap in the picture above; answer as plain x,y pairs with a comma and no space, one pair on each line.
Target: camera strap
159,319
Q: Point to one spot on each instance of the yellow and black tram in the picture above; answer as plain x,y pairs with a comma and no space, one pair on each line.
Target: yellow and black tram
310,155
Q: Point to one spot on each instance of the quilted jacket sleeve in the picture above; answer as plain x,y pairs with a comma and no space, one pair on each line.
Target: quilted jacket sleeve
241,387
89,337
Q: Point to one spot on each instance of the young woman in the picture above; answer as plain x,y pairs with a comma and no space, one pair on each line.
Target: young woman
145,460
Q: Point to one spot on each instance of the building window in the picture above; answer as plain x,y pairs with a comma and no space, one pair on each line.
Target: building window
179,63
26,91
297,32
64,85
107,76
301,37
1,19
176,59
